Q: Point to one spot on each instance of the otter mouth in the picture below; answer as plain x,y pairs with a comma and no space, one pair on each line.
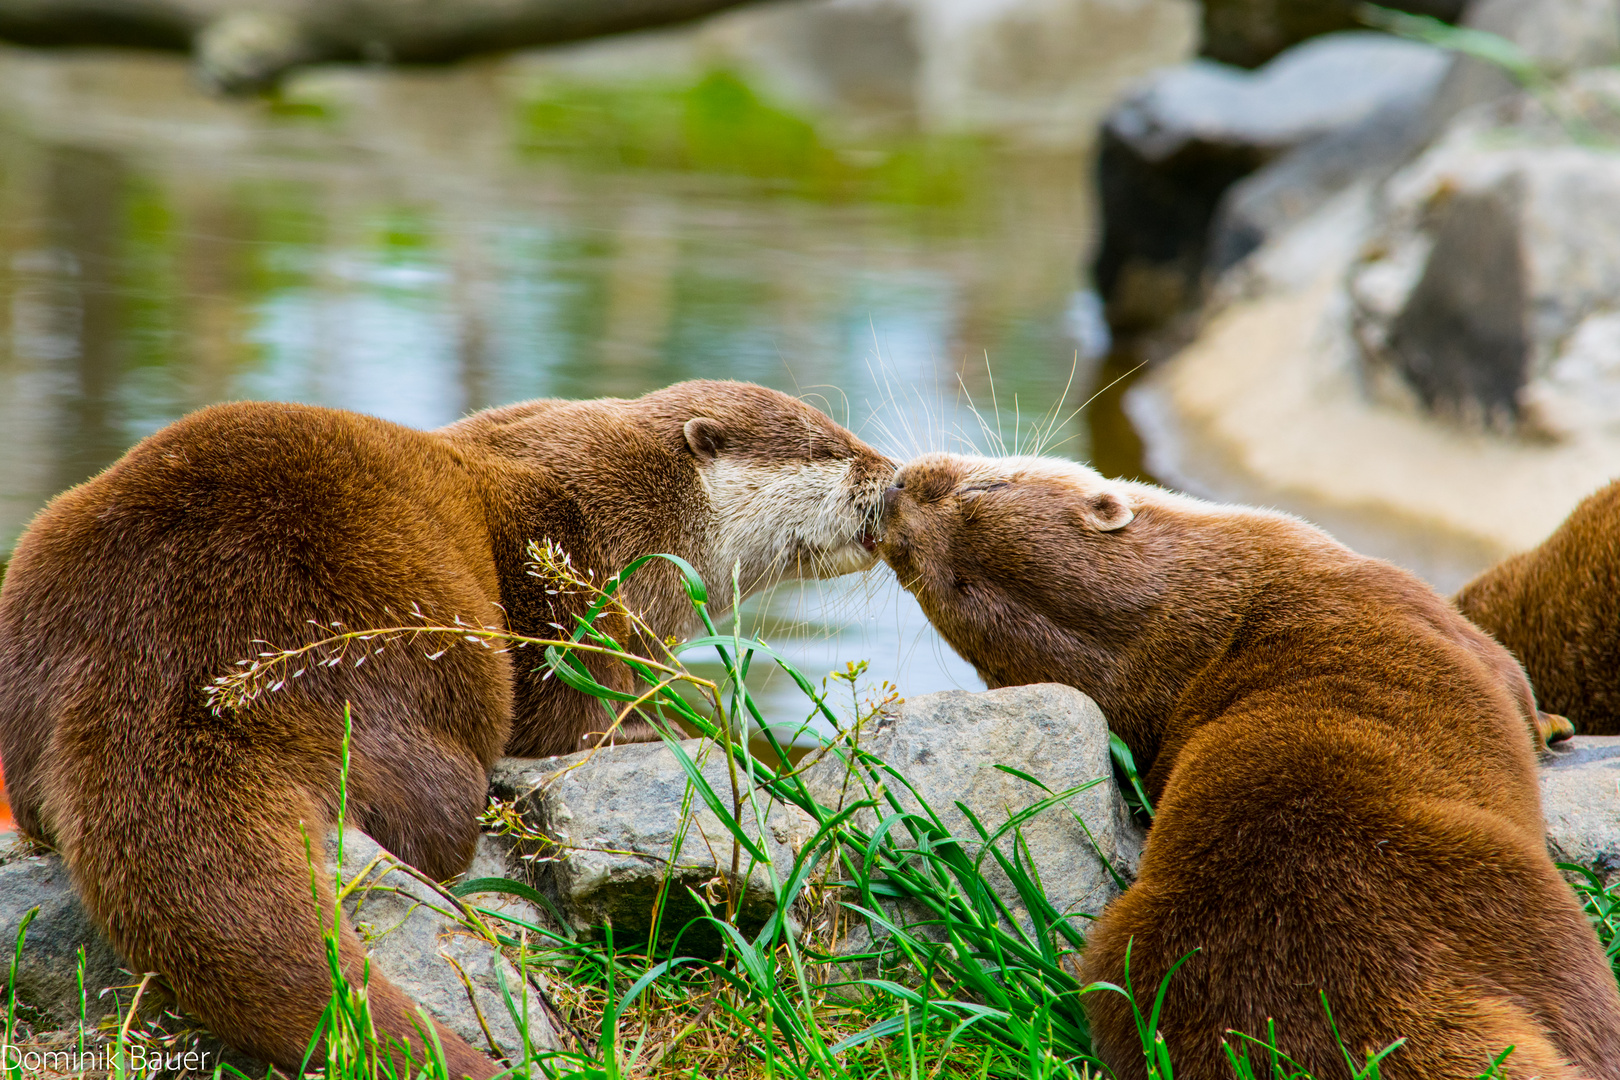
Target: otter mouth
868,539
852,557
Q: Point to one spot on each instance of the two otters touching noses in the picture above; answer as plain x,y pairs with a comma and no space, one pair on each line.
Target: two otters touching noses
1343,765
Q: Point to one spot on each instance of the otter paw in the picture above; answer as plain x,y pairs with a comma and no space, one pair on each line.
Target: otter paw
1553,728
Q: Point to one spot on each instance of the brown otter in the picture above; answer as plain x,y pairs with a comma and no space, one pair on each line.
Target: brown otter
248,522
1557,608
1343,767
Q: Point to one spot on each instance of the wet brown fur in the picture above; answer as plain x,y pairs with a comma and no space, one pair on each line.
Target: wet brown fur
246,522
1557,608
1343,769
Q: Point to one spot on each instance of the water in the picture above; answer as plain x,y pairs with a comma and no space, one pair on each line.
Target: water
417,246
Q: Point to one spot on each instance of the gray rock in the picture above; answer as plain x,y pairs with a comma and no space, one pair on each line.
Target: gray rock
1460,340
399,916
614,816
416,940
948,745
1250,32
1169,152
47,972
1489,290
1580,798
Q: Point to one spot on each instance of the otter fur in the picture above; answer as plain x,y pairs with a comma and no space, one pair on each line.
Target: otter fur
1557,608
1343,770
247,523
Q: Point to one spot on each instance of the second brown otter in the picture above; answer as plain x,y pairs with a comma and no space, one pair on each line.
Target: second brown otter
1557,607
1343,768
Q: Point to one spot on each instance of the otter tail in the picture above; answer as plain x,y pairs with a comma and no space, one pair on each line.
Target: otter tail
188,846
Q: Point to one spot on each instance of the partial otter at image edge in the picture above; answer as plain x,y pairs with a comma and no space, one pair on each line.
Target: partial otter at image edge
244,524
1343,769
1557,608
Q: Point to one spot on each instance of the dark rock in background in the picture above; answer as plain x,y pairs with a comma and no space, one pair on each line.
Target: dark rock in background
1250,32
1488,282
1170,151
1461,340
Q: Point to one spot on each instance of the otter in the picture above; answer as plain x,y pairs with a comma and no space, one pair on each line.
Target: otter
246,523
1343,769
1557,608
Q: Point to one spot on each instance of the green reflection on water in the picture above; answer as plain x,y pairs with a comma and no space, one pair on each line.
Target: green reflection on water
720,126
418,264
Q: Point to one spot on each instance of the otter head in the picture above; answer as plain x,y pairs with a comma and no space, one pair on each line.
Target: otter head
1034,569
980,540
791,494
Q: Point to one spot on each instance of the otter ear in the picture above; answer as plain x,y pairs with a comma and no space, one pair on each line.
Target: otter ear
1105,511
705,437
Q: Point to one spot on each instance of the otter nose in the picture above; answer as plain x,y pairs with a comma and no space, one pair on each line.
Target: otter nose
891,495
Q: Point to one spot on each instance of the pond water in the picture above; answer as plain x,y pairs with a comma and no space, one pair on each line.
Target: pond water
420,245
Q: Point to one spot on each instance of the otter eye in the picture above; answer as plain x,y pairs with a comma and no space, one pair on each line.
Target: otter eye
980,489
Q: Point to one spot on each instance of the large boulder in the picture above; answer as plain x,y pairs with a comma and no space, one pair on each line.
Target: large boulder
612,816
1288,190
1428,364
1553,37
1169,152
1490,288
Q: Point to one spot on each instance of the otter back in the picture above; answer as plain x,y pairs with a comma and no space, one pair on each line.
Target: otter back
248,528
1343,769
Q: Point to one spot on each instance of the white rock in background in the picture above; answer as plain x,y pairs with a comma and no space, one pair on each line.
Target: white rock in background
1313,88
1560,35
1171,151
1462,285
